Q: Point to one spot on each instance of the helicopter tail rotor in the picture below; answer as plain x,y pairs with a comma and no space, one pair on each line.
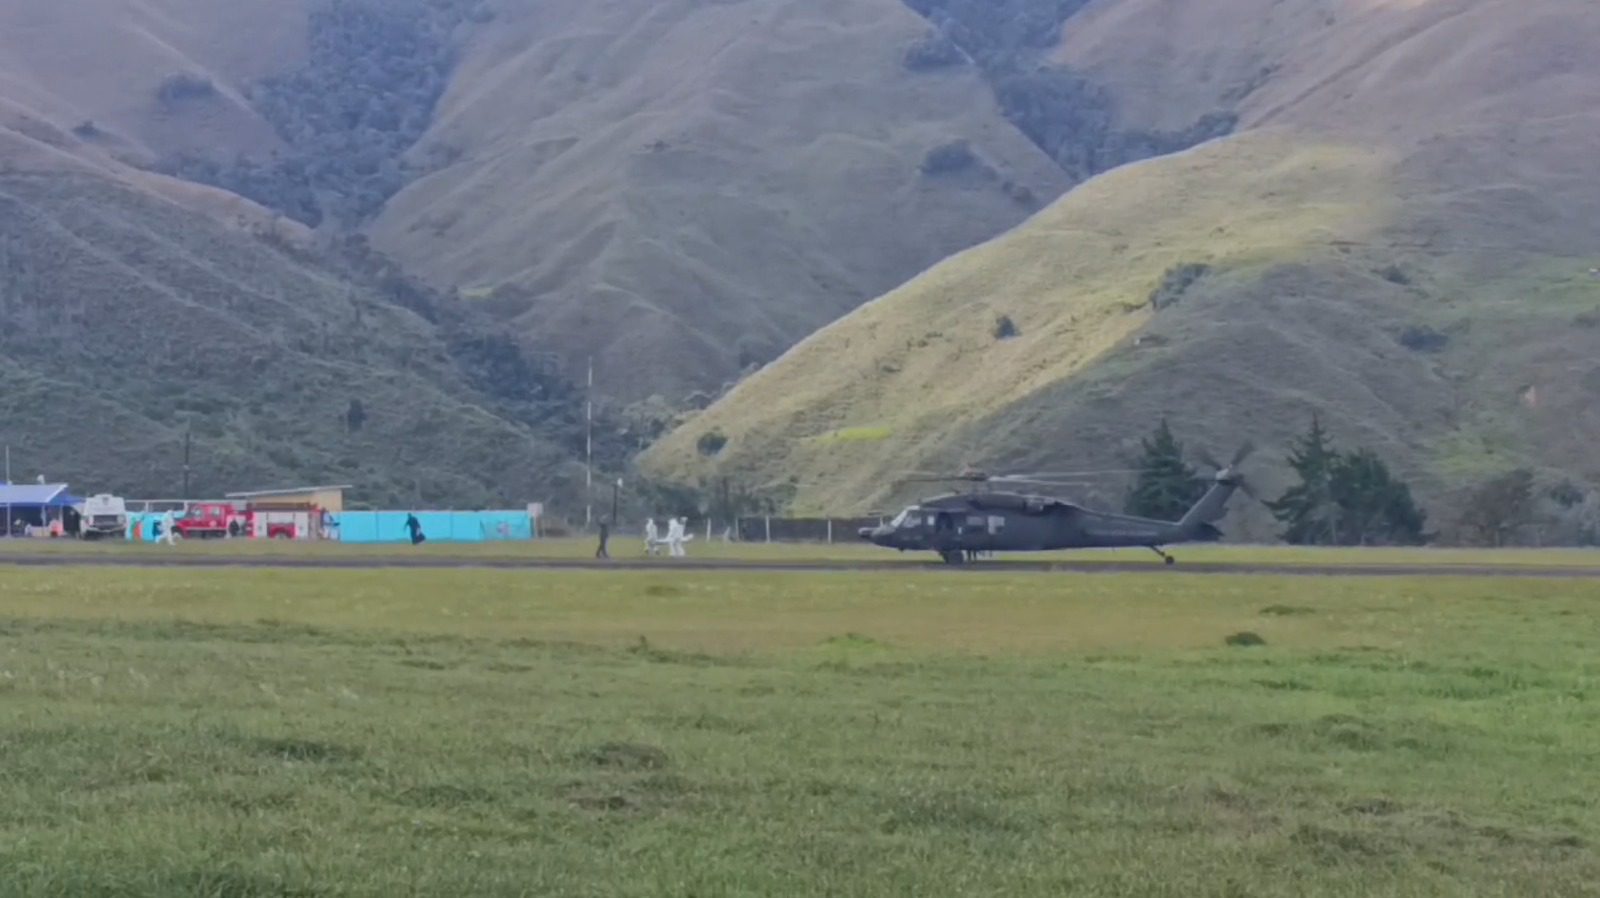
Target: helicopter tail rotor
1229,473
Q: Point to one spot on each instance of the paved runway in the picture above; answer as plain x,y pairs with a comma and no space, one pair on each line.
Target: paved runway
154,560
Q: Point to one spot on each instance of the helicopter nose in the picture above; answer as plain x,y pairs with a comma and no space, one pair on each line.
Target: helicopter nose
875,534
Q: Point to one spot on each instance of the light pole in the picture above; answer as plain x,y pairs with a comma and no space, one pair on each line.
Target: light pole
588,450
616,495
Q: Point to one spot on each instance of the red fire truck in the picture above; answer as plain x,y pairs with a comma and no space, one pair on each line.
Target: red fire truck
215,520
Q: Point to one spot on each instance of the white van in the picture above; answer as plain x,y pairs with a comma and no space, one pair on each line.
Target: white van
104,516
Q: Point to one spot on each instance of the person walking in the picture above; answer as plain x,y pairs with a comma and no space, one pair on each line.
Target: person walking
415,526
652,537
169,531
605,537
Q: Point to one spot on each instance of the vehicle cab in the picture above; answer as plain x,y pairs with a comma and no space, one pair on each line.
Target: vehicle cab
213,520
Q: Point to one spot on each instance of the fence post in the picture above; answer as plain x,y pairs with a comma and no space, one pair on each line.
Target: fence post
830,531
708,529
769,528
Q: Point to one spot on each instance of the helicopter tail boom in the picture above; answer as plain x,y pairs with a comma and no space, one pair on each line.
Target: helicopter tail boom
1211,507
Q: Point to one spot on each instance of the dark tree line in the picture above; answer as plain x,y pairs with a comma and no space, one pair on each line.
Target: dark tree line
1345,498
1340,499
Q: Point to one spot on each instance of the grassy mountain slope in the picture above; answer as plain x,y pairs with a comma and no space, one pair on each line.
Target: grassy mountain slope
119,64
130,319
1400,237
686,188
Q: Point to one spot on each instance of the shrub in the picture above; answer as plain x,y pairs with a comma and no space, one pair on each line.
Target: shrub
936,51
1420,338
183,86
711,443
1394,274
1175,283
948,159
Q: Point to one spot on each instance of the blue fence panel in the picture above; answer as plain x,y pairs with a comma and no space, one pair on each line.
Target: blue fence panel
390,526
437,526
144,523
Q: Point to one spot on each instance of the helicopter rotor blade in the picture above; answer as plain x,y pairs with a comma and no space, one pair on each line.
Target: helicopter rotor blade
1069,475
1207,459
1245,451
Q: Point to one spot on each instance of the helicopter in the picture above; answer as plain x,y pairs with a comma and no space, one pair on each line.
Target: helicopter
994,518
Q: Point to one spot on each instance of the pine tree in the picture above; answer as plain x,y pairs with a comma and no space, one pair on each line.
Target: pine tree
1167,487
1307,509
1375,508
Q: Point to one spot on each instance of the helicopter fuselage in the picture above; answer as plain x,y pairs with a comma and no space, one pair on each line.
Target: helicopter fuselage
957,525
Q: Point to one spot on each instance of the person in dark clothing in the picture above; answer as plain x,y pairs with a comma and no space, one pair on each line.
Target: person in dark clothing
415,526
605,537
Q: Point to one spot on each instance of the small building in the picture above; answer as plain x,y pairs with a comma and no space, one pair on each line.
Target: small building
325,498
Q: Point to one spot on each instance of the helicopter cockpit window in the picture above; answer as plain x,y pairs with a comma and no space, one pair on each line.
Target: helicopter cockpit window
907,518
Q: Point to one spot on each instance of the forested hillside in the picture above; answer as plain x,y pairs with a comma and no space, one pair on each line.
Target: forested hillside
131,322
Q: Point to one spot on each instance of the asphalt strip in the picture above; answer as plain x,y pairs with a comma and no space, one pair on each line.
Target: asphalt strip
796,567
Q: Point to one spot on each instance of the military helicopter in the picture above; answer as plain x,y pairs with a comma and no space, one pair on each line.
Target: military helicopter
991,518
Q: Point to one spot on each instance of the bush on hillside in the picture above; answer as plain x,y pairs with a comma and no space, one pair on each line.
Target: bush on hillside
936,51
711,443
949,159
1421,338
183,86
1175,283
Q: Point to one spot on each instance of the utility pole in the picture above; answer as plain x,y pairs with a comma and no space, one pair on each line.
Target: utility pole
588,450
616,494
188,434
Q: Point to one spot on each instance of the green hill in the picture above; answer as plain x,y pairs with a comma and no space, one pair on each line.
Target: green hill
1399,237
131,320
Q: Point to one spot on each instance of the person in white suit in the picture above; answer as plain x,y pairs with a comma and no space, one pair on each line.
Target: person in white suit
169,532
674,534
677,535
652,537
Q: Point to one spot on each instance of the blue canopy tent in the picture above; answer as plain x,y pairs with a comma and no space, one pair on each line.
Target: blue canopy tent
35,504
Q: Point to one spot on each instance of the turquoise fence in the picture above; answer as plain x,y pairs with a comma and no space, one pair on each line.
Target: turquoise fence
437,526
390,526
143,523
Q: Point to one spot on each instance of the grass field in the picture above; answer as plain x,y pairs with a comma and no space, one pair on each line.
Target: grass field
627,549
274,732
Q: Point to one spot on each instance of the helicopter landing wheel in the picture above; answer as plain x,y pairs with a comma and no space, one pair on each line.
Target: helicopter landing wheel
1167,559
953,557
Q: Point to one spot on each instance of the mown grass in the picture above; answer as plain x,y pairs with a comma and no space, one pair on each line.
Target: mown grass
252,733
847,549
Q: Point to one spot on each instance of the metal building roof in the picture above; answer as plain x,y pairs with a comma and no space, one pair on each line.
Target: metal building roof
263,494
33,494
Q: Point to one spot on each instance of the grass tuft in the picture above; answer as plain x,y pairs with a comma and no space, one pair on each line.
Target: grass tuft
626,756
